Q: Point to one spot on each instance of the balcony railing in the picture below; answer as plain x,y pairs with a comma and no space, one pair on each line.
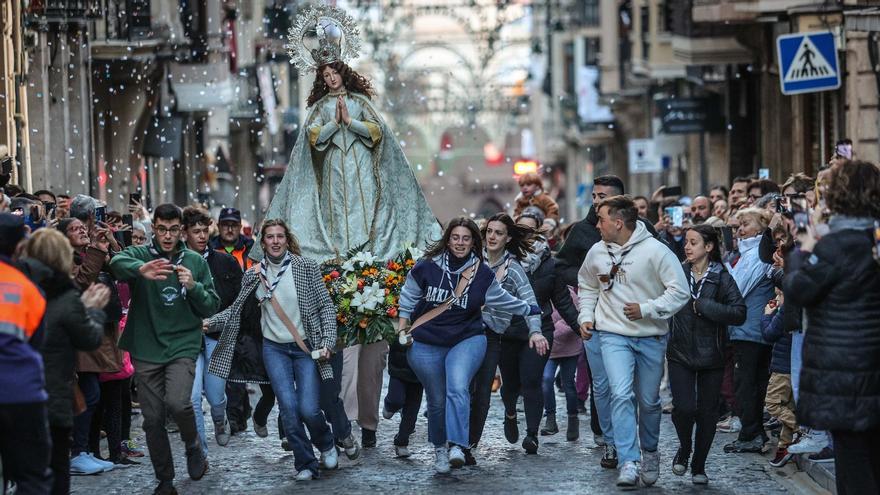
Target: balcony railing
64,10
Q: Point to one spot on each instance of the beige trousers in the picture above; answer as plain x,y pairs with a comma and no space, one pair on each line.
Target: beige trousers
362,370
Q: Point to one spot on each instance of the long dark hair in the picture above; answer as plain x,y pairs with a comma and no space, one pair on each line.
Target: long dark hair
521,237
709,235
440,246
292,243
351,80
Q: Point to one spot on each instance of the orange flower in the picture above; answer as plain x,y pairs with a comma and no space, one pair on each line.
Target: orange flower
363,323
410,263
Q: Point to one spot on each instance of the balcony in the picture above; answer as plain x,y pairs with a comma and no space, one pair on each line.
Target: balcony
63,10
721,11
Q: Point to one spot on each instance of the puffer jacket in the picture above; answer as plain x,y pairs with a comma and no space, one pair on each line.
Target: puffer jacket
698,332
550,292
69,327
772,327
839,286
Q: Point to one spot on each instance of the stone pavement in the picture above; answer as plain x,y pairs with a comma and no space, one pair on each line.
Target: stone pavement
250,464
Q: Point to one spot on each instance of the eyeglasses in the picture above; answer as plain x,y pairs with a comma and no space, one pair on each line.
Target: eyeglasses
162,230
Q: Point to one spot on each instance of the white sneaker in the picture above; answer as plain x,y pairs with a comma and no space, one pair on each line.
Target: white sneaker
105,465
83,464
441,460
700,479
329,459
628,477
456,457
305,475
650,467
810,443
401,452
730,425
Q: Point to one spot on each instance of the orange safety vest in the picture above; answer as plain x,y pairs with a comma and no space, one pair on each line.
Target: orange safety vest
21,304
238,254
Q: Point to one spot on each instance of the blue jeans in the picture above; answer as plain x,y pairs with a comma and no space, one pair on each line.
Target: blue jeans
446,374
567,367
601,390
634,365
215,391
797,349
297,385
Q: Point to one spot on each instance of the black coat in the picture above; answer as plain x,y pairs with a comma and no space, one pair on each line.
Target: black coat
697,338
398,366
839,286
581,237
69,327
550,292
227,274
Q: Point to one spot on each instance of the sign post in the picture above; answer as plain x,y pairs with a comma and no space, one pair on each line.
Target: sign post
807,62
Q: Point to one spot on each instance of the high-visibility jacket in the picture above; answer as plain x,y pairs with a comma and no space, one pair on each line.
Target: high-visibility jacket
22,306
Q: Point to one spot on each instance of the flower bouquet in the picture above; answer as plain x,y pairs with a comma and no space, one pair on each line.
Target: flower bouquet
366,291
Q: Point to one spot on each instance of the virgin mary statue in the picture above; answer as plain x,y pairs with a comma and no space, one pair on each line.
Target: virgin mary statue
348,183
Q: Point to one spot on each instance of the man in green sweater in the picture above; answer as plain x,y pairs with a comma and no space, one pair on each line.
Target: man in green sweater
171,292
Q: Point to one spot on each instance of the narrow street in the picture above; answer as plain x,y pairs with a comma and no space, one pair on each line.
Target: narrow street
250,464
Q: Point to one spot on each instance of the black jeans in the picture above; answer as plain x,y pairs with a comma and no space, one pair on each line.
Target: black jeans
521,372
264,407
238,406
857,461
481,387
82,423
60,461
331,404
751,375
108,415
695,395
24,447
162,389
405,397
125,432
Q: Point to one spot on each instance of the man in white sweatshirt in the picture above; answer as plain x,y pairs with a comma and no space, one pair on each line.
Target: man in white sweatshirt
629,285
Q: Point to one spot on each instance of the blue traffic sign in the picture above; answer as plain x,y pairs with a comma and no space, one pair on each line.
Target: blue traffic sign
807,62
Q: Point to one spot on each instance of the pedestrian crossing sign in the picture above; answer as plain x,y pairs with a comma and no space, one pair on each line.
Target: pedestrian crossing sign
807,62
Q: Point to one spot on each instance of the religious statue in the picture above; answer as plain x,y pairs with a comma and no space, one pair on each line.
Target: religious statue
348,183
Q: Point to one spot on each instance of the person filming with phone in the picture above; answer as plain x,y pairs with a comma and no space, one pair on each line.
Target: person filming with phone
836,278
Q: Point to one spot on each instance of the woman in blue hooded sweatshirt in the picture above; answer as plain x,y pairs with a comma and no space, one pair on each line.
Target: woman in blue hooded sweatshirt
443,296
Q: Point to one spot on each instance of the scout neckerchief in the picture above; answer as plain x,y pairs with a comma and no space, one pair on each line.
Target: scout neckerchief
264,270
156,254
615,265
502,269
696,286
447,274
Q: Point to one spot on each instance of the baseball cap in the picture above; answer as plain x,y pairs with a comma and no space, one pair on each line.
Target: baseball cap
229,215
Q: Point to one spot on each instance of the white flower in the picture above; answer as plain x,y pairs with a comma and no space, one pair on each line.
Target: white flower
362,258
369,298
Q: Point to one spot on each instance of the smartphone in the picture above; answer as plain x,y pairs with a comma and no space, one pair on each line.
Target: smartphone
6,166
101,214
127,219
50,209
801,221
843,150
134,198
676,215
203,198
670,191
763,173
727,238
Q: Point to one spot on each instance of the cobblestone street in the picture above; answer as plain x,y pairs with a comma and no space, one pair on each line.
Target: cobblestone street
250,464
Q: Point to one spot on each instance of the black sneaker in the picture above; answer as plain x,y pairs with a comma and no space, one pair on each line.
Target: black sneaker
196,464
680,462
609,458
469,459
511,428
824,455
368,438
530,444
165,488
